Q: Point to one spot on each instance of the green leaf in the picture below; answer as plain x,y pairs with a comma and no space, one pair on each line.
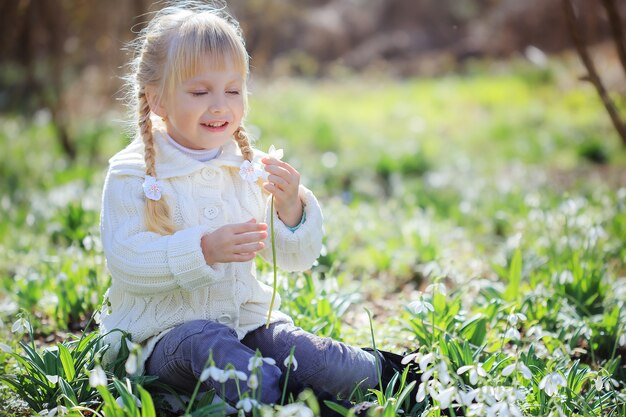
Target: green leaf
337,408
147,405
515,277
407,390
68,392
67,362
475,329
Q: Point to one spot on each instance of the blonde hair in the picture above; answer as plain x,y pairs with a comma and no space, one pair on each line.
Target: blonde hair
169,51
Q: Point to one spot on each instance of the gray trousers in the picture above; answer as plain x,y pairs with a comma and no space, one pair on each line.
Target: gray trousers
324,364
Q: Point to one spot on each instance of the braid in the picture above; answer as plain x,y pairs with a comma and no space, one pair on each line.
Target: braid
157,212
145,128
241,136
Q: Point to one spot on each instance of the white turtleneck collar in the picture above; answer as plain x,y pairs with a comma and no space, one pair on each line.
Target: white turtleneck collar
202,155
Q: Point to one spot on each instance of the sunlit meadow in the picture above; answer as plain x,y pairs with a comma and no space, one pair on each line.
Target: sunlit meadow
481,220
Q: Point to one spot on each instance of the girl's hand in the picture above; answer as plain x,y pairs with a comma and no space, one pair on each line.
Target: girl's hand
283,183
234,242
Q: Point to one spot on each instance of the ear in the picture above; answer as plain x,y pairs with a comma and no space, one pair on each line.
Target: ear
156,101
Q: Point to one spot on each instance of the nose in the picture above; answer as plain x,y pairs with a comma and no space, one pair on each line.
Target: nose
218,104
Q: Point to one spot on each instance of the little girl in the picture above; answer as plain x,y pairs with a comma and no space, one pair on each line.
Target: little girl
181,227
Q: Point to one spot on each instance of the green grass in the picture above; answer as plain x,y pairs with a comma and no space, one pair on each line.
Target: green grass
487,185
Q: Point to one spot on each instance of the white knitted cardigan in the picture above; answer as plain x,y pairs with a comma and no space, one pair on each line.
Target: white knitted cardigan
159,282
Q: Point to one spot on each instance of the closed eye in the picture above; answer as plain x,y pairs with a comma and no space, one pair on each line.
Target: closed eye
198,93
233,92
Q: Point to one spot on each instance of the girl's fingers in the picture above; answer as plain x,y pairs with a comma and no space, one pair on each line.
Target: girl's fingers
248,227
248,248
279,172
243,257
278,181
273,189
279,163
244,238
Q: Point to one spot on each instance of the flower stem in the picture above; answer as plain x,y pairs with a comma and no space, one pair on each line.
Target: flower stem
269,314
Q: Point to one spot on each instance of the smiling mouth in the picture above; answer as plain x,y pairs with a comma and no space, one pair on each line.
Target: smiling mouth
215,124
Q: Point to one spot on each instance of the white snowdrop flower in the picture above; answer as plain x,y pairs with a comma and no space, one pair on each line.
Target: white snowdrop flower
520,367
131,364
513,334
551,383
426,375
515,318
477,409
445,397
52,378
599,383
6,348
204,375
421,306
246,404
254,362
253,382
234,374
586,331
97,317
503,409
97,377
214,373
437,287
622,340
525,371
120,401
426,360
535,332
21,325
434,387
291,361
605,384
275,153
444,376
257,361
466,398
411,357
508,370
295,410
421,392
474,372
566,277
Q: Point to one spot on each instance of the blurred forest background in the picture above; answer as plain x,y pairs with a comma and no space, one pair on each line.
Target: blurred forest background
66,56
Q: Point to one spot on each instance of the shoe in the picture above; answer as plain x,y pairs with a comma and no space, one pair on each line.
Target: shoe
392,365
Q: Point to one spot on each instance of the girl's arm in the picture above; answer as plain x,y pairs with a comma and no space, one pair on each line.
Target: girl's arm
297,250
148,262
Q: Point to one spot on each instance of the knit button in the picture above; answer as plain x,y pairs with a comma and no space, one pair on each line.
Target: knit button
208,174
224,319
211,212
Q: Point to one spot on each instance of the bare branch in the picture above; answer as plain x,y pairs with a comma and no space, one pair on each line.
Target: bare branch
616,30
593,76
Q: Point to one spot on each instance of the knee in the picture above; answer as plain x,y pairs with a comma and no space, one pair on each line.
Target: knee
210,340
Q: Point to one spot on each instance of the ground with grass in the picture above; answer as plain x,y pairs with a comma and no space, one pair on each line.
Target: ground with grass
479,219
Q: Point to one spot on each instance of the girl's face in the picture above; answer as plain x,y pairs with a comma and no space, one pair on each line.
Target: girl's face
204,111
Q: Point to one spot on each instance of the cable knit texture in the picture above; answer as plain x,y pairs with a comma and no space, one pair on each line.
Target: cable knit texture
160,281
